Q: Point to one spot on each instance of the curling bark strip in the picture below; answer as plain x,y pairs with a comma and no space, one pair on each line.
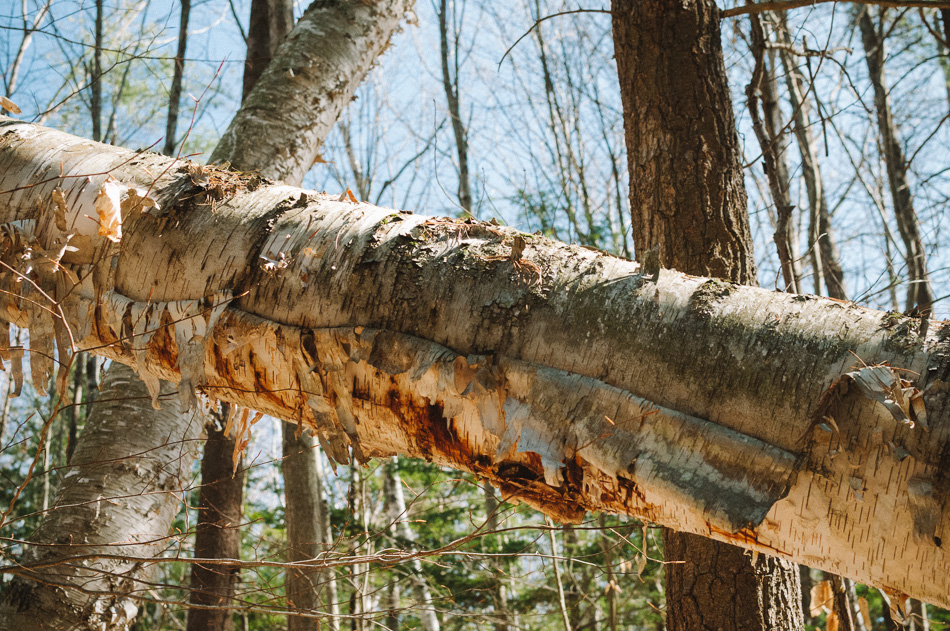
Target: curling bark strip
566,376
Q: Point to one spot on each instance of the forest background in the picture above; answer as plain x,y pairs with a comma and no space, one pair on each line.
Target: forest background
534,139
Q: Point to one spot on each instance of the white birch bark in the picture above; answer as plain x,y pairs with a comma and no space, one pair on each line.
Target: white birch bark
313,76
566,377
326,92
119,497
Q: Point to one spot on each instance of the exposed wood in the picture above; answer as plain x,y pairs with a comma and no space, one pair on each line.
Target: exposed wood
717,409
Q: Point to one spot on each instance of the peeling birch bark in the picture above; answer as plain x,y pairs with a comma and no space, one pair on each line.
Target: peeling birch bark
566,377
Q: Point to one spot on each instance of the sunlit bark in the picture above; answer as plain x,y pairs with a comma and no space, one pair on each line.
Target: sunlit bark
103,509
565,376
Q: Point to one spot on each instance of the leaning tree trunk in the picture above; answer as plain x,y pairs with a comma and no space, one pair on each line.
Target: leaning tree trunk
320,41
299,97
919,294
688,205
125,483
570,378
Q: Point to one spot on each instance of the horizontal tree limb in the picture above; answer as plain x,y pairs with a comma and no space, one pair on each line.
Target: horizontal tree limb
802,427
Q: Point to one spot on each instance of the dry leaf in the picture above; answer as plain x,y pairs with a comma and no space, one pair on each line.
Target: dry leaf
9,105
882,384
865,611
347,196
108,207
59,208
831,622
821,598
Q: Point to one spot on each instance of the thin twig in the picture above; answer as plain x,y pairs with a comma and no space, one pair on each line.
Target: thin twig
548,17
785,5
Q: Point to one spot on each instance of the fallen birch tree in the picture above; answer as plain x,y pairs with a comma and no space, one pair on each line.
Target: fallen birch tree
807,428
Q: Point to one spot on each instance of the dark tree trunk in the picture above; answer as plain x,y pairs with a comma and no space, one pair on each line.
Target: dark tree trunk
174,95
719,587
686,191
217,534
688,206
271,21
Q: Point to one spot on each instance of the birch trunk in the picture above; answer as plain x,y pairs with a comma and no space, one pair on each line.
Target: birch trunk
564,376
287,116
76,576
321,98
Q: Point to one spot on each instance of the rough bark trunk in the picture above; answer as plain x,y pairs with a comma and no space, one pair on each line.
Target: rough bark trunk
734,412
720,593
677,110
75,576
217,534
919,294
688,202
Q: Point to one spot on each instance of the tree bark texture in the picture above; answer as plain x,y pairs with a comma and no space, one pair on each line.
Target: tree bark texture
724,594
688,197
76,576
677,111
727,411
322,80
217,534
304,525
